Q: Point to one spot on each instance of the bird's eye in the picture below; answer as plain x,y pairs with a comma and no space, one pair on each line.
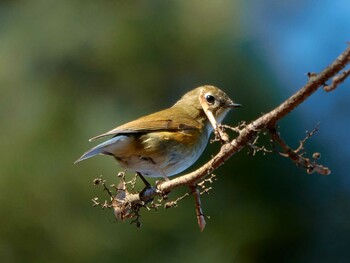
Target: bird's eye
210,98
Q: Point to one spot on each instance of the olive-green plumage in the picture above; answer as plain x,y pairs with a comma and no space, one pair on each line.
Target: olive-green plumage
167,142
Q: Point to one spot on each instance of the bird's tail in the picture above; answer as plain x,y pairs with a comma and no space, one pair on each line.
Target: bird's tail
106,147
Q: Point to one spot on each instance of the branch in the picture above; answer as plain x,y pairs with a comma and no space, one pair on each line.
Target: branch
337,80
246,137
297,157
248,133
199,212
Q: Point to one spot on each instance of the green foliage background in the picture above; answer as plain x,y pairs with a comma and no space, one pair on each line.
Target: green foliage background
70,70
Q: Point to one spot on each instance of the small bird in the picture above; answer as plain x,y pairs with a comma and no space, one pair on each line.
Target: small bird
169,141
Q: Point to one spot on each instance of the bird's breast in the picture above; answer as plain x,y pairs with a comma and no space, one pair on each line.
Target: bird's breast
156,154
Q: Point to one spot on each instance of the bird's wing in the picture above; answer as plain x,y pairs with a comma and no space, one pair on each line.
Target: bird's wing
169,121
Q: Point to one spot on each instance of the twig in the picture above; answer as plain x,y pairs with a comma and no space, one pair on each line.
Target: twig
175,202
337,80
199,212
297,157
98,181
220,134
308,136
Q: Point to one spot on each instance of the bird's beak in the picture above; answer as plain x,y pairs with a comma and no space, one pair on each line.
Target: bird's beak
234,105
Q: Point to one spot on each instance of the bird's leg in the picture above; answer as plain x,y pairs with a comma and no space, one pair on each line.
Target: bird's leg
147,184
144,194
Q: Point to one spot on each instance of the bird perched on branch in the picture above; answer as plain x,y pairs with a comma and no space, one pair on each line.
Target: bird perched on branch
169,141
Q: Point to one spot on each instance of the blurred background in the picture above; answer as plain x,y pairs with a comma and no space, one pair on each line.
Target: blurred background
73,69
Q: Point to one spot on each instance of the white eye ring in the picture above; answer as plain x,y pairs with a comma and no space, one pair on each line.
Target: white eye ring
210,98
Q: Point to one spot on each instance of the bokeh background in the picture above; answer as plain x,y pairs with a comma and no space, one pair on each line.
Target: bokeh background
73,69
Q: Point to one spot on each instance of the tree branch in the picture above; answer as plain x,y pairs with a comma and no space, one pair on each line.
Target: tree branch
337,80
311,166
267,120
246,136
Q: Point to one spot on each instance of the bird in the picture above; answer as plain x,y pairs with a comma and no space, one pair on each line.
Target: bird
167,142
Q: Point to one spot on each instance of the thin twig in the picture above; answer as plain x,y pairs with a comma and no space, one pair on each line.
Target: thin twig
199,212
297,157
308,136
338,79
